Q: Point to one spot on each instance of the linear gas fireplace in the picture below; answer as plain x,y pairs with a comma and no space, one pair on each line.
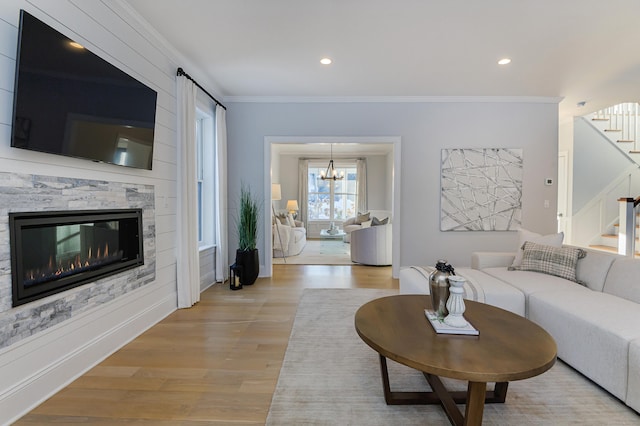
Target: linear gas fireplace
54,251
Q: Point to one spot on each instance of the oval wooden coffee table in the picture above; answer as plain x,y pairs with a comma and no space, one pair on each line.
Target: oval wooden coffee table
508,348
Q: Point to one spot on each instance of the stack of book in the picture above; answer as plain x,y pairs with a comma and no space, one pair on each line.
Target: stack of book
441,328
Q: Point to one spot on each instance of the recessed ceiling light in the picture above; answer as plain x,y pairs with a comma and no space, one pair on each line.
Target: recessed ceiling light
504,61
325,61
76,45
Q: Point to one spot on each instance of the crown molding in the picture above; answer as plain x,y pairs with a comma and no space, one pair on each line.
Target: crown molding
394,99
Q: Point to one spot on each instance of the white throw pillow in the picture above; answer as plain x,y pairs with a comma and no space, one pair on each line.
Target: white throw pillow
554,240
290,221
366,223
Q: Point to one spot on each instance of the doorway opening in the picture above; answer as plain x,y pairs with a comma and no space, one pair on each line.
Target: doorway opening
287,164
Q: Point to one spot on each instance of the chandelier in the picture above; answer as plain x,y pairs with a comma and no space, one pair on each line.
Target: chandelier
331,173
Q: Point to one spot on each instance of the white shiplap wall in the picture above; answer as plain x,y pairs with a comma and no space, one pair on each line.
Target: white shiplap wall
110,30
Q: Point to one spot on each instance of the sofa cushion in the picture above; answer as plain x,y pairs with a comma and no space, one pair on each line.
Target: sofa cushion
592,270
592,330
496,292
558,261
491,259
531,282
623,279
633,386
554,240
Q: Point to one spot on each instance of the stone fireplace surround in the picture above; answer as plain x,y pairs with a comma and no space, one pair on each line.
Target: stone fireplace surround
24,192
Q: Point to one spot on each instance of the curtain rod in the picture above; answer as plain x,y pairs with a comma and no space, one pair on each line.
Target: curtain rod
181,72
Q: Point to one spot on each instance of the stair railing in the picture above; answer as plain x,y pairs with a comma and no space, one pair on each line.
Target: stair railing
627,229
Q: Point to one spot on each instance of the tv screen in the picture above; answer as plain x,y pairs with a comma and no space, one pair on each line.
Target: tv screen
68,101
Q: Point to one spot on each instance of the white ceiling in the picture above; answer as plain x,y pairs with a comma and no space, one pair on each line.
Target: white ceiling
580,50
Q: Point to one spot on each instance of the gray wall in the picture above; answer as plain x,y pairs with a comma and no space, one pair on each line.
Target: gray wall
596,163
379,173
424,129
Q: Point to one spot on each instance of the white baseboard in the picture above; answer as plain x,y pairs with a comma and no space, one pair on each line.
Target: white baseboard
38,367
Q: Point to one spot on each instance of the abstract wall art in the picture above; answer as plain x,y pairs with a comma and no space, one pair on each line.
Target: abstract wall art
481,189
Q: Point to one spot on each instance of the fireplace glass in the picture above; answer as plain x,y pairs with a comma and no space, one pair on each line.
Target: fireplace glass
55,251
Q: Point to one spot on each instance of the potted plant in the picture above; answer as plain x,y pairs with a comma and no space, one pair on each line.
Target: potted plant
247,258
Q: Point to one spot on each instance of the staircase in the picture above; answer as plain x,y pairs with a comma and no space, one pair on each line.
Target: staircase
611,241
619,123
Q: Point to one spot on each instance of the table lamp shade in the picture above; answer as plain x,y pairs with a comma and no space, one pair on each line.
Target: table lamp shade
292,205
276,193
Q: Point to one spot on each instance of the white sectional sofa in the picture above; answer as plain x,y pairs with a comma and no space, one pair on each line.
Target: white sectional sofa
595,323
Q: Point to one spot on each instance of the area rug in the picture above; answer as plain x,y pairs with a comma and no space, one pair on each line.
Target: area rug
331,377
320,252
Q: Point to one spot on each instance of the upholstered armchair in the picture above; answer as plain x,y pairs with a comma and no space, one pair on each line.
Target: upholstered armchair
362,221
288,240
372,245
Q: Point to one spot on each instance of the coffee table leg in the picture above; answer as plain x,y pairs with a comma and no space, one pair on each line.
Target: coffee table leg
446,400
499,392
405,398
385,380
476,392
475,397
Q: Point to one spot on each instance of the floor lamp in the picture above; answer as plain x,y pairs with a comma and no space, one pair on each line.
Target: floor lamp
276,195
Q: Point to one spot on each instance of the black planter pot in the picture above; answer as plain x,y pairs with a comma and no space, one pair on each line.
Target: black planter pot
249,263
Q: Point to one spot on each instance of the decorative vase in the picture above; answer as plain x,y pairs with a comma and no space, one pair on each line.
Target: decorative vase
455,303
249,263
439,287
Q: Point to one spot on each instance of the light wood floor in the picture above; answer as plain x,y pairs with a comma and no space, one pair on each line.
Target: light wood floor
216,363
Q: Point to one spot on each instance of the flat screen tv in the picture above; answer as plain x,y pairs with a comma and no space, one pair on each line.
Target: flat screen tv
69,101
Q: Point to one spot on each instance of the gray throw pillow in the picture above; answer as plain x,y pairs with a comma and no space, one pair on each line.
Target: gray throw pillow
375,221
558,261
554,240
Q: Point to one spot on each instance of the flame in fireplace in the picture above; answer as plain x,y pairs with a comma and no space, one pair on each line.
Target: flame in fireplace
62,268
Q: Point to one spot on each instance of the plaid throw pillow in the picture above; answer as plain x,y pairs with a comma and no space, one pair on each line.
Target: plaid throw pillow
558,261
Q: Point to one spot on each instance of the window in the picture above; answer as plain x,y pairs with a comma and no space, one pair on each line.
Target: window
205,164
332,200
199,172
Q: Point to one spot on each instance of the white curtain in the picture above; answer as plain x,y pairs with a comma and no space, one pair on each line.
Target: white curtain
187,253
222,233
361,190
303,189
